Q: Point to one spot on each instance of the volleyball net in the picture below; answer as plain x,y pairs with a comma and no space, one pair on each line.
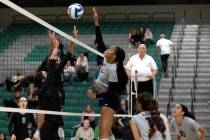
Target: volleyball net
25,44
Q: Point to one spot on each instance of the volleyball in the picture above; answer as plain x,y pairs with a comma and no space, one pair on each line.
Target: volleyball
75,11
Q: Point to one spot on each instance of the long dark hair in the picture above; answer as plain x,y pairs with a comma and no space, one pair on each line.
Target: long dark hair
148,103
121,73
186,112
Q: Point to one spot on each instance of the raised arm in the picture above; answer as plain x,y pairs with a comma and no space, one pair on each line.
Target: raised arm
54,45
69,50
101,47
71,45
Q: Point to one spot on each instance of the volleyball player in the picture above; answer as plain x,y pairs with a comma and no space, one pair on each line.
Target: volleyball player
110,84
185,126
18,126
50,96
149,124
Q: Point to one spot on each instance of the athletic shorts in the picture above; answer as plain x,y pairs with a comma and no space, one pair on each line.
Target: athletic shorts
112,102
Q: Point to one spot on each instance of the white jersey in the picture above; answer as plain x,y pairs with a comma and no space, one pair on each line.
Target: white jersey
164,46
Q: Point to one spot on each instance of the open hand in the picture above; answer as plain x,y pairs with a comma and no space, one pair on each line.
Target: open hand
95,16
75,31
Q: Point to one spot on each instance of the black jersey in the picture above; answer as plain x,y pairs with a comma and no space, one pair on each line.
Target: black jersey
19,125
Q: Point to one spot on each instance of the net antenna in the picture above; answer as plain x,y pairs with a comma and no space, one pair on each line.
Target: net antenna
47,25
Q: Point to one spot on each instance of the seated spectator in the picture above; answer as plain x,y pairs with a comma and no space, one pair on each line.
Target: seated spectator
119,127
140,34
69,73
12,102
148,38
33,102
82,68
85,132
133,38
88,110
2,136
14,82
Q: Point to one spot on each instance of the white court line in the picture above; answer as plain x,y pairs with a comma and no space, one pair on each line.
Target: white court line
19,110
47,25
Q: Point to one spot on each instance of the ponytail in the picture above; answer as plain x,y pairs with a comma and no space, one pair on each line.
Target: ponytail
186,112
148,103
121,73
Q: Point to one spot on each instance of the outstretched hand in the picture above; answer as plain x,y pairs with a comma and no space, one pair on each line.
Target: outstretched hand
74,34
95,16
75,31
90,94
53,39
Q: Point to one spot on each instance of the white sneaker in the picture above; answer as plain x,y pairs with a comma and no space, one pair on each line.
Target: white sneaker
36,135
61,133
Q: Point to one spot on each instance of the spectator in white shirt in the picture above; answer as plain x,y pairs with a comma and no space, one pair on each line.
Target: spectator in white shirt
69,73
164,45
143,69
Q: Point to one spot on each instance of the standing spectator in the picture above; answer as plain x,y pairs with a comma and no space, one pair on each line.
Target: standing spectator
18,126
185,126
2,136
149,124
85,132
82,67
148,38
164,45
143,69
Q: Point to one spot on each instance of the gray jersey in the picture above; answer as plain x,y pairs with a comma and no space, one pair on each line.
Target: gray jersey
107,74
143,126
188,130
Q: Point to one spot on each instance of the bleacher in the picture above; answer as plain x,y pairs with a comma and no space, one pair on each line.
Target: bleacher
114,32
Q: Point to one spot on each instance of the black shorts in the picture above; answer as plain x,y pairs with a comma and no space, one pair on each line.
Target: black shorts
112,102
